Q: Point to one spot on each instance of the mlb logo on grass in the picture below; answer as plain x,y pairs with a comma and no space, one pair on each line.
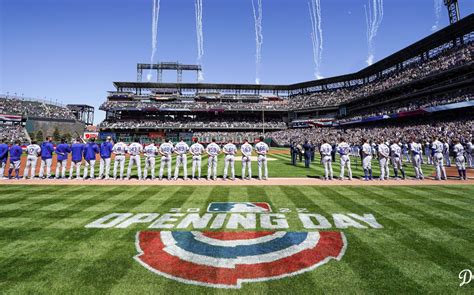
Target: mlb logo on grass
239,207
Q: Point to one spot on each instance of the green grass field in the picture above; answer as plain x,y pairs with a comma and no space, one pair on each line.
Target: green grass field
426,240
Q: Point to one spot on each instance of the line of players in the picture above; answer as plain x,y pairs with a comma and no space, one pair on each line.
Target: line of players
391,153
88,152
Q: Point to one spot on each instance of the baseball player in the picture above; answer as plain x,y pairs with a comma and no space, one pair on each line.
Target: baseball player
446,153
15,159
34,151
460,159
47,150
262,149
62,150
246,150
105,153
91,149
416,154
326,150
119,149
77,149
166,150
396,155
135,149
3,157
197,150
181,149
150,152
469,153
384,155
405,151
344,150
213,150
438,159
367,160
229,150
429,156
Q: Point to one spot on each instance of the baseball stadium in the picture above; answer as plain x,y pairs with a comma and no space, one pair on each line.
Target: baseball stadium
350,172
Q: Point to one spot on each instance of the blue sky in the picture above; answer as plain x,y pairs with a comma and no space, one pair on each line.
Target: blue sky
72,50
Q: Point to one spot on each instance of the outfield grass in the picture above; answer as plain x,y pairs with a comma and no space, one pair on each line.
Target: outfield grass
426,240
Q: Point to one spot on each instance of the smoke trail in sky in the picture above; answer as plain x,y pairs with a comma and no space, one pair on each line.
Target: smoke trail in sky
154,33
316,35
438,5
373,18
257,15
199,34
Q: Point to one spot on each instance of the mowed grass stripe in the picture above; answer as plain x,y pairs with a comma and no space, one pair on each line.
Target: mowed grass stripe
425,247
379,241
425,215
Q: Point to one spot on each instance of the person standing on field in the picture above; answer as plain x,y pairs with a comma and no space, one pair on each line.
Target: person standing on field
120,150
262,150
77,151
213,150
229,150
105,154
181,149
197,150
246,150
47,150
150,152
91,149
62,151
166,150
326,159
33,151
135,149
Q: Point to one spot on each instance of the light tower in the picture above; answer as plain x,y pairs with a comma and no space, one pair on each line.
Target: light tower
453,10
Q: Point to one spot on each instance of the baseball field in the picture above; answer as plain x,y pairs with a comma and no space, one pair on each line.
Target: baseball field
418,240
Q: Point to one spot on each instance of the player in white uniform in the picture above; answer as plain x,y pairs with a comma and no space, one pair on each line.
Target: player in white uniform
396,155
326,150
213,150
262,149
446,153
197,150
384,155
469,153
367,160
34,151
119,149
416,154
150,152
344,151
181,149
438,159
460,159
246,150
135,149
229,150
166,150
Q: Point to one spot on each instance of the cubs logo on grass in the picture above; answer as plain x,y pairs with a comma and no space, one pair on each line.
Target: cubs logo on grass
227,259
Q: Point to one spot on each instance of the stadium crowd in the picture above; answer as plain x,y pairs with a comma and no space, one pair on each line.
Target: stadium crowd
462,129
190,124
407,106
195,106
18,106
416,70
14,133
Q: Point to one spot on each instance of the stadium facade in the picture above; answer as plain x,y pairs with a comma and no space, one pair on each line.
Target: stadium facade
431,78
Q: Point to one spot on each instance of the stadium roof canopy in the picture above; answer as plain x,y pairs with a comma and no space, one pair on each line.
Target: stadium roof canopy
451,34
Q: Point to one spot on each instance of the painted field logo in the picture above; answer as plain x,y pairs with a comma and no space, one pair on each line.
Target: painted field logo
222,248
227,259
239,207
